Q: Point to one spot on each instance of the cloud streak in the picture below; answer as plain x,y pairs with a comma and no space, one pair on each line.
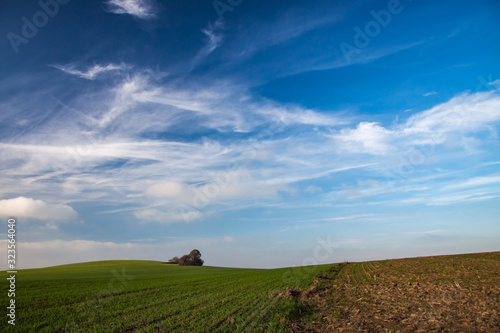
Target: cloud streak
142,9
93,72
463,115
214,38
157,176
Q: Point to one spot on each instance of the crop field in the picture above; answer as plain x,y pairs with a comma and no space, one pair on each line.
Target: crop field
459,293
149,296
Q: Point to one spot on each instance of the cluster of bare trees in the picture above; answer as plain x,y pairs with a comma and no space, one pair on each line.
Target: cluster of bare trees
191,259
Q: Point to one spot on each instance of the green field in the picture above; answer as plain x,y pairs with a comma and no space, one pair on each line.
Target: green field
149,296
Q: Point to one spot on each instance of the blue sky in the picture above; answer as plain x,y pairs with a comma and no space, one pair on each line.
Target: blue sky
263,134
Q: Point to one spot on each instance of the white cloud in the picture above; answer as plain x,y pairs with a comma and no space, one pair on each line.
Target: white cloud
229,184
490,163
91,73
163,217
463,113
346,218
368,183
125,98
452,199
430,93
311,189
214,39
22,207
283,145
179,202
142,9
366,137
495,83
426,232
476,181
298,116
451,121
167,189
229,239
282,29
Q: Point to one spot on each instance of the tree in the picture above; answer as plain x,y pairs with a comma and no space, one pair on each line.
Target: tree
174,260
195,257
191,259
185,261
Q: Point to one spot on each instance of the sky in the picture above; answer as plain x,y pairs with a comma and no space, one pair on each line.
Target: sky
265,134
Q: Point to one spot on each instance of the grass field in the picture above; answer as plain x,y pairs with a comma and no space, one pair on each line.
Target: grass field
148,296
457,293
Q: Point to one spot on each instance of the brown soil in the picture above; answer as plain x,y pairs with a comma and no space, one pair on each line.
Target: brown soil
458,293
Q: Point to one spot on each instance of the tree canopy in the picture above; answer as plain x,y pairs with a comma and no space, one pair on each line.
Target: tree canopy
191,259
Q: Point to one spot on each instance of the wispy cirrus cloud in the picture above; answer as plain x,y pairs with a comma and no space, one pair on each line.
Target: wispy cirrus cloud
465,114
274,147
214,38
93,72
453,199
476,181
142,9
157,215
282,29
